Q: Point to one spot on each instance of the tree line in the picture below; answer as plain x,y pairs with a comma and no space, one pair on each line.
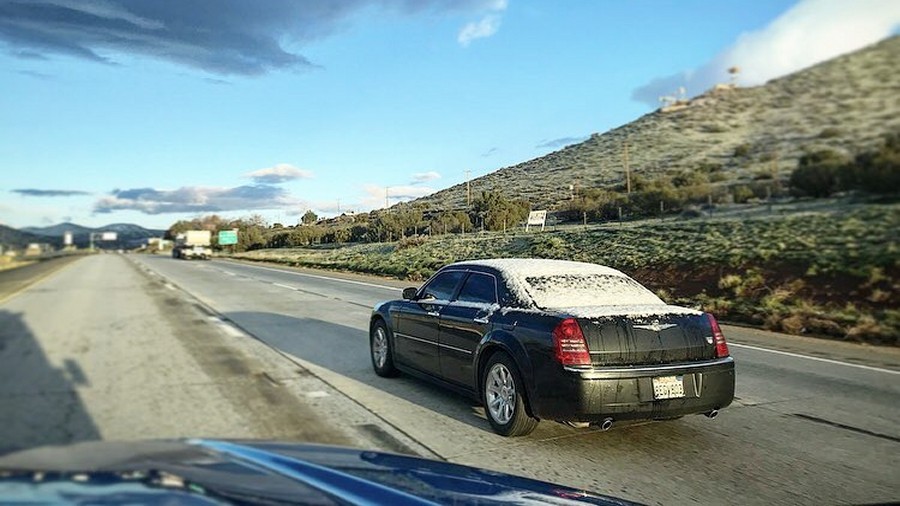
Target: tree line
491,211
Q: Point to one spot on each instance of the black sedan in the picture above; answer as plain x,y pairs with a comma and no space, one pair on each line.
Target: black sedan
554,340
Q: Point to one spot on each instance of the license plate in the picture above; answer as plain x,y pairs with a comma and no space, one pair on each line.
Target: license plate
668,387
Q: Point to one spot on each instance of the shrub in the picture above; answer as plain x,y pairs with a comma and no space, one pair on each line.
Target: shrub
411,242
689,178
830,132
742,150
714,128
742,194
817,173
710,167
549,247
869,329
878,171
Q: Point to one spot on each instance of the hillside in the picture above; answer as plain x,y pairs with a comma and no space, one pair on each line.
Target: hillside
736,135
11,237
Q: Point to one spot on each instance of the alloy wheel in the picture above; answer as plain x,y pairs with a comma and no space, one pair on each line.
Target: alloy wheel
379,347
501,393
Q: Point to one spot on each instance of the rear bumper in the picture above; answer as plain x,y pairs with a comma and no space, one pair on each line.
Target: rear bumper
626,393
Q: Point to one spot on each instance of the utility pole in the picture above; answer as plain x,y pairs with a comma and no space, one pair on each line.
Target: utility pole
468,190
627,170
386,188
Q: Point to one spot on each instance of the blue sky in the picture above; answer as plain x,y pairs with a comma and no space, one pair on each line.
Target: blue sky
150,112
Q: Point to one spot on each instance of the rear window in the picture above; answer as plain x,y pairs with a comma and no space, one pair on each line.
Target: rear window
580,290
478,288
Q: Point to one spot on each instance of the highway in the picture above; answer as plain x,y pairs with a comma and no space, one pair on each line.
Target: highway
172,343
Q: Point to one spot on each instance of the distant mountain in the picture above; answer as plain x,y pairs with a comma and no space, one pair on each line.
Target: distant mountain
131,229
737,135
58,230
13,238
129,235
126,229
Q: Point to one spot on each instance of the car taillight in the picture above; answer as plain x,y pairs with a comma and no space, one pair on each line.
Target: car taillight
718,337
571,348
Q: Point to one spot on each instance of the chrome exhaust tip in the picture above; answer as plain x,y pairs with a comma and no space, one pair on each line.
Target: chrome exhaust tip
606,424
712,414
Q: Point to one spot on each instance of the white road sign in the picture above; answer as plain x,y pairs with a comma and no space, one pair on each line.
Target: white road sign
536,218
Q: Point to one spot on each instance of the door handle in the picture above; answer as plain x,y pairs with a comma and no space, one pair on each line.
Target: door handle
481,320
433,313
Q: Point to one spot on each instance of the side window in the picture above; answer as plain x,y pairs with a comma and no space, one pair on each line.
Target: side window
478,288
441,287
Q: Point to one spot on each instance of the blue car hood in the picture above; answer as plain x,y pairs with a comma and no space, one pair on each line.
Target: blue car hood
255,472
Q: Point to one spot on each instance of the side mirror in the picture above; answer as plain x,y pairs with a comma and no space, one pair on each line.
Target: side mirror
410,293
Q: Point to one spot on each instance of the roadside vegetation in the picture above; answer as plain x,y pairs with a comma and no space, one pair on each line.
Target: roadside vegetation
827,273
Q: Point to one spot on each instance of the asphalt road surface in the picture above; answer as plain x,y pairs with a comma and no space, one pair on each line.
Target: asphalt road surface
115,347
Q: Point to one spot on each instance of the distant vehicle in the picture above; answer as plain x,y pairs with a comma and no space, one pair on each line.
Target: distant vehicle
554,340
193,244
259,472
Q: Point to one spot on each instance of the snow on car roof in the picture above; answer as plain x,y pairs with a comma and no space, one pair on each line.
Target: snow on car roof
563,284
514,267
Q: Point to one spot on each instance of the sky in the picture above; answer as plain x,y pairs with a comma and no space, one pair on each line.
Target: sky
148,112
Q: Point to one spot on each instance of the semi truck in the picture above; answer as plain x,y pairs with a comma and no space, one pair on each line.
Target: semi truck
193,244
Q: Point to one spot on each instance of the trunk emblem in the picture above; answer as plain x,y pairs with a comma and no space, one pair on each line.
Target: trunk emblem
709,339
656,326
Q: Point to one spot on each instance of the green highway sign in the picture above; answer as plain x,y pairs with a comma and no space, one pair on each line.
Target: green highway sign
227,237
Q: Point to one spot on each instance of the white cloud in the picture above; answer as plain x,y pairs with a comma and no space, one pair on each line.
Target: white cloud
479,29
424,177
280,173
197,199
235,37
487,26
810,32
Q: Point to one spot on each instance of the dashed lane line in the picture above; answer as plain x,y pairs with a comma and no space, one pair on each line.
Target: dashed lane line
326,278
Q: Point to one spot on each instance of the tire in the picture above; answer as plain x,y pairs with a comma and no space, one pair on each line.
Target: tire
503,394
381,350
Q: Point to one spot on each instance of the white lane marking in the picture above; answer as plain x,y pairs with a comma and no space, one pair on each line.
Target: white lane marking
170,287
316,394
363,283
279,285
818,359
